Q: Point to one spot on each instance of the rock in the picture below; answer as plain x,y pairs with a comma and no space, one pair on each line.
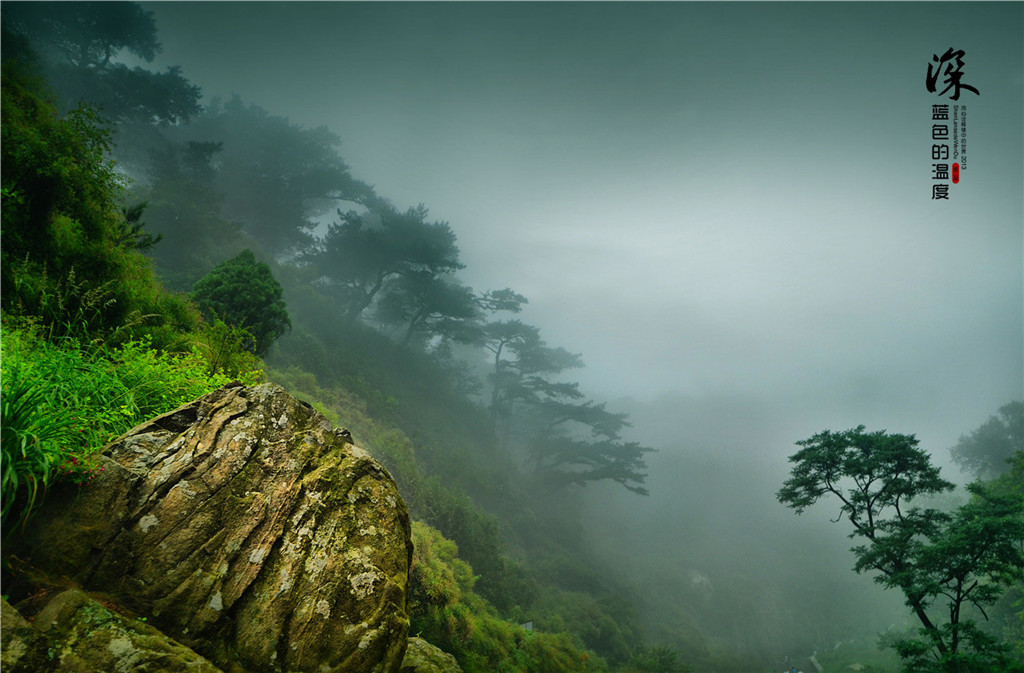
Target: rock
83,636
242,525
422,657
22,648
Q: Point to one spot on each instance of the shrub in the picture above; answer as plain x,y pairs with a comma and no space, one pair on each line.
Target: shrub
243,293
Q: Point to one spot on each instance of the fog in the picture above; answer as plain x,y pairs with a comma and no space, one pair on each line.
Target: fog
726,208
704,198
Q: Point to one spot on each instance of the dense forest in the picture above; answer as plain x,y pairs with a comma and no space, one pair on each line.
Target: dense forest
160,241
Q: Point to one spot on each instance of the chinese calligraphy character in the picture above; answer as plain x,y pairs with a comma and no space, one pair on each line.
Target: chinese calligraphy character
940,132
940,151
952,80
940,192
940,171
940,112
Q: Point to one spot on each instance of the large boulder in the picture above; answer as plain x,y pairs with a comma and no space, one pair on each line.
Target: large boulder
242,525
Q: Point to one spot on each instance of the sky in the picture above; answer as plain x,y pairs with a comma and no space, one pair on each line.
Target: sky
706,200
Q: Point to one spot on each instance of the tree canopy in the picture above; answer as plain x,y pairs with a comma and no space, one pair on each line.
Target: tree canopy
429,305
79,43
275,176
986,451
935,558
243,293
363,252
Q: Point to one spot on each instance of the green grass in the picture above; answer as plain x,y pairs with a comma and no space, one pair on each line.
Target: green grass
62,402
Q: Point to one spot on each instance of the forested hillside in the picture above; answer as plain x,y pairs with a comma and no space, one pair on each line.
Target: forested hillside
160,241
112,171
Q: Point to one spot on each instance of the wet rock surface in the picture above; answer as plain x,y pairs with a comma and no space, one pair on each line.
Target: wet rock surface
74,633
245,527
422,657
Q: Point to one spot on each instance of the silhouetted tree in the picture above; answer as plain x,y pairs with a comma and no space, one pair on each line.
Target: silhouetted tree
276,178
569,440
79,42
508,300
578,442
428,305
986,451
362,252
523,364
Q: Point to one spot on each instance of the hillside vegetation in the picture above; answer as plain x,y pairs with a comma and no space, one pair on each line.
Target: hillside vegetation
158,245
94,343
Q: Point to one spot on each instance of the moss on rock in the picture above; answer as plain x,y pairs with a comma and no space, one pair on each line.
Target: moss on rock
249,529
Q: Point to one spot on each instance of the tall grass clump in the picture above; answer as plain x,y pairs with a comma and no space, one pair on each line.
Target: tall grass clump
62,402
32,443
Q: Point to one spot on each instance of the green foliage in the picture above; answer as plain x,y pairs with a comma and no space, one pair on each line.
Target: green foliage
275,176
32,444
449,614
362,253
656,660
986,451
65,257
978,652
54,166
584,615
223,349
962,559
130,231
243,293
77,42
62,403
1008,612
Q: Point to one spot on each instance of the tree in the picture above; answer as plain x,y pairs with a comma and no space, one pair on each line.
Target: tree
569,440
522,364
87,34
956,560
185,210
563,461
1009,611
79,43
277,178
130,231
70,254
579,442
429,305
493,301
986,452
243,293
363,252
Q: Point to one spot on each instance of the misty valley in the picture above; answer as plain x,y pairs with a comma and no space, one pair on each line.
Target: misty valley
264,410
